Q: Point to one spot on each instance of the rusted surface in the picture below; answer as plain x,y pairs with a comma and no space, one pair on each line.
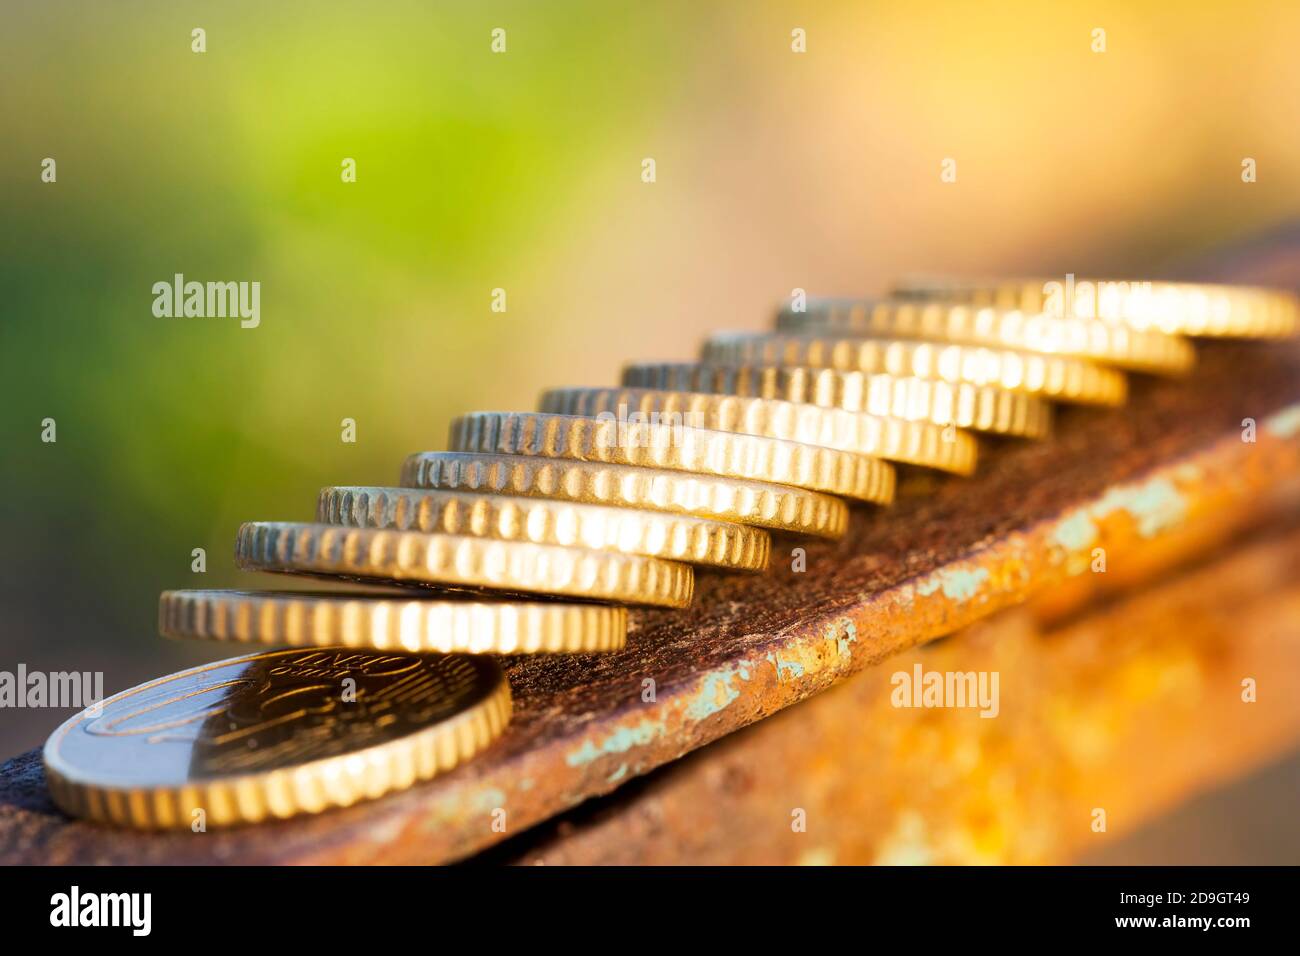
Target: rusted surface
1128,709
752,645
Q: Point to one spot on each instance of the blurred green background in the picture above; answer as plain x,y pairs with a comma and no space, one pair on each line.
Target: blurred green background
522,171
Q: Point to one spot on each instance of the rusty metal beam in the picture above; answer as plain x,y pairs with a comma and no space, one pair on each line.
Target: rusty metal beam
1149,477
1129,708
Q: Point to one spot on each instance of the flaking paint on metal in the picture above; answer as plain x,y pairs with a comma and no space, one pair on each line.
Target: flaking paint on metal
620,741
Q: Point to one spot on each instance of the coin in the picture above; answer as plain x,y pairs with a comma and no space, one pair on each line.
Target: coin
1186,308
1059,377
393,621
894,439
961,405
686,538
654,489
680,448
1111,343
457,561
273,735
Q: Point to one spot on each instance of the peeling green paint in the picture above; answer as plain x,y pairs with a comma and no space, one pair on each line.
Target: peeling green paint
848,635
620,741
487,800
793,668
1284,424
958,584
1076,532
1154,506
716,692
618,774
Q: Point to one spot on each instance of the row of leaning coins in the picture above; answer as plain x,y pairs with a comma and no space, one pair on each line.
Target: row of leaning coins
534,532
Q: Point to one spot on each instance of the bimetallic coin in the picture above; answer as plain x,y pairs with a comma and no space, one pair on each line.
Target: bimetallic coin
457,561
1176,308
676,447
1057,377
765,505
1111,343
273,735
894,439
393,621
694,540
961,405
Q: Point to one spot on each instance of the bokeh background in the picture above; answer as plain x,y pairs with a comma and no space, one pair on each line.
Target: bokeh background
522,171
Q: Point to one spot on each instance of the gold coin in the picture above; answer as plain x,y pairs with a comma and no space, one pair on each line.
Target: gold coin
273,735
393,621
909,442
1176,308
961,405
695,540
683,448
457,561
1058,377
1111,343
653,489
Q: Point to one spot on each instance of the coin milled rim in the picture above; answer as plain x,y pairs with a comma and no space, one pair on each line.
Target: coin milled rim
1111,343
1062,378
723,544
765,505
686,448
983,408
1175,308
387,622
305,788
458,561
894,439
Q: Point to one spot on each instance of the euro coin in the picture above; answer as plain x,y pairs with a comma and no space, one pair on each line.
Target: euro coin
1175,308
894,439
1110,343
1061,378
686,538
978,407
273,735
764,505
678,448
461,562
392,621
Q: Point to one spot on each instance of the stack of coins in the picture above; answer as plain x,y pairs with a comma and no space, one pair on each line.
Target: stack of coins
536,531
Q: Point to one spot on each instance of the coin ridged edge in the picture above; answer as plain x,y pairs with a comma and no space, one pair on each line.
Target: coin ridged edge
1062,378
961,405
775,507
1110,343
460,561
396,624
893,439
688,538
1176,308
695,450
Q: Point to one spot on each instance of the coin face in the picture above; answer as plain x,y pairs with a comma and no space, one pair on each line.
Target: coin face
274,734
